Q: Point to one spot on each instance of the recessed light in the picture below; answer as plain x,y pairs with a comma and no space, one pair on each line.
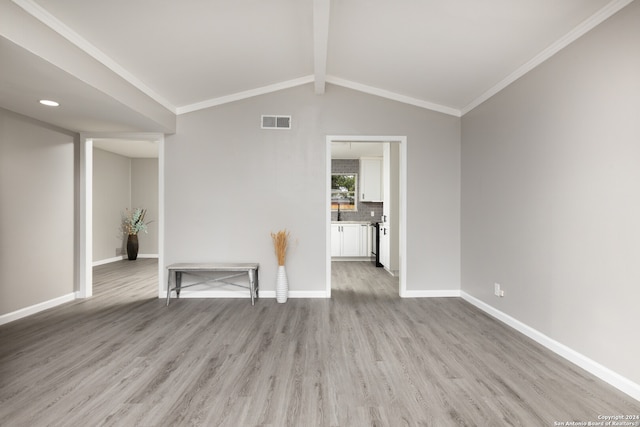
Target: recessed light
49,103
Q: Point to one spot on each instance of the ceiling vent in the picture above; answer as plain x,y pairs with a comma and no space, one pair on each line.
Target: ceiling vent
276,122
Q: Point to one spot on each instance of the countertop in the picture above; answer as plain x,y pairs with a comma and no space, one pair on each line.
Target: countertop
351,222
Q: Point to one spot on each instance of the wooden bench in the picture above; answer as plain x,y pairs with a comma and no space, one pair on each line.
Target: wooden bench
204,271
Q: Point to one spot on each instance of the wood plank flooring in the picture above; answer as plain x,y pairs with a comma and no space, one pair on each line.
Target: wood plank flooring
364,358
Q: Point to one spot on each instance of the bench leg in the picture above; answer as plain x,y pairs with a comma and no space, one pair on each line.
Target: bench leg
257,282
252,285
176,287
168,288
178,283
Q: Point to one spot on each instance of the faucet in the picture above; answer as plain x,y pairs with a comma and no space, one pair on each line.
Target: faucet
338,211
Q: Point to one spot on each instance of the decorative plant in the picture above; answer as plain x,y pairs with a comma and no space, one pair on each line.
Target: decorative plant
134,221
280,240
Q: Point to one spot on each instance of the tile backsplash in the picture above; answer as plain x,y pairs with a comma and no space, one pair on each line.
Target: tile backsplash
364,208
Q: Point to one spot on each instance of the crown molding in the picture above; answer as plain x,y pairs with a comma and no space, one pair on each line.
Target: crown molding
583,28
393,96
311,79
244,95
59,27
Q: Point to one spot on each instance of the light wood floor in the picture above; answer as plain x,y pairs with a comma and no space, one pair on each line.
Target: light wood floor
365,357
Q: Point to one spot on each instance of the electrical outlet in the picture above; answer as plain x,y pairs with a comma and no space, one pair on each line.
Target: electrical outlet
373,213
497,290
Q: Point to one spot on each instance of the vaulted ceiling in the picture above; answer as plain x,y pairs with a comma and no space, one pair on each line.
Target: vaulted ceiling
447,56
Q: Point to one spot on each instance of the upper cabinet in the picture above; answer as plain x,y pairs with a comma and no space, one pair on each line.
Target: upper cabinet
371,179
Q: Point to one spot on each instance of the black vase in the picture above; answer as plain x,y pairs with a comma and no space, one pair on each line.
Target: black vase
132,247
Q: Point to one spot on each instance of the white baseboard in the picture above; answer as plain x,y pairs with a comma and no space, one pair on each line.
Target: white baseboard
394,273
28,311
120,258
618,381
107,261
305,294
446,293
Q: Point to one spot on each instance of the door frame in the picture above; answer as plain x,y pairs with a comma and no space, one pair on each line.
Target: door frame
84,270
402,140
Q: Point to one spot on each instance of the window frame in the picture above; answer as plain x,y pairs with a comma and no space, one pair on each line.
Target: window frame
355,192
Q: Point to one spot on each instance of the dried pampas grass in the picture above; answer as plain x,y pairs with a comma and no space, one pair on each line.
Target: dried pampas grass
280,240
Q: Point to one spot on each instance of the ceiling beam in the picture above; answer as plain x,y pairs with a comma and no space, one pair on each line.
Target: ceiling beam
320,43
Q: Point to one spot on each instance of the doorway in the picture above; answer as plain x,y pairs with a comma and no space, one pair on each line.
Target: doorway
397,167
140,158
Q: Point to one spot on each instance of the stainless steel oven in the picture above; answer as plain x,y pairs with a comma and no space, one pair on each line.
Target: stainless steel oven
375,244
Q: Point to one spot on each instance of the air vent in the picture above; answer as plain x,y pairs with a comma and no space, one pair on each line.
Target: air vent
276,122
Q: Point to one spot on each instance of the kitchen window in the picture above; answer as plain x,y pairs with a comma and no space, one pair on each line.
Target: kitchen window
343,192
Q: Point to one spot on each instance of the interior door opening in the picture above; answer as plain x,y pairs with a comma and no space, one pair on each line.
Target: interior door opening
119,172
366,198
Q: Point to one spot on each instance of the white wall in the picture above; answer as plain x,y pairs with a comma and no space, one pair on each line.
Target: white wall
229,183
551,196
37,196
144,194
111,196
119,183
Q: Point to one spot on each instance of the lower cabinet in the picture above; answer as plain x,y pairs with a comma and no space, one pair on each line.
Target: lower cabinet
349,240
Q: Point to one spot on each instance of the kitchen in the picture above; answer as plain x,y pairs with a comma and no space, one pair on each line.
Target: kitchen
365,204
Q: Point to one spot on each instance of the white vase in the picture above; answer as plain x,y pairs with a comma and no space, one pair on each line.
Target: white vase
282,285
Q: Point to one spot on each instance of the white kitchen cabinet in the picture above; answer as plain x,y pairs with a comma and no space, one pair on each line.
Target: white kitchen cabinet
385,226
371,189
365,240
336,240
389,227
349,240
